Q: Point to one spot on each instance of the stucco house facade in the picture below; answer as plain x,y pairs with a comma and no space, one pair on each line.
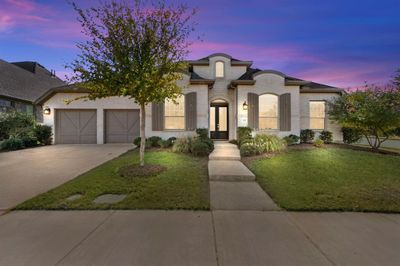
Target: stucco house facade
220,93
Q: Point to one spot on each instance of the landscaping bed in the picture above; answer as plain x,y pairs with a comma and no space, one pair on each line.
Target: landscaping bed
182,185
330,179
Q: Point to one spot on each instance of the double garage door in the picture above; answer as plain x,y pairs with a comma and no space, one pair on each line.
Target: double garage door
80,126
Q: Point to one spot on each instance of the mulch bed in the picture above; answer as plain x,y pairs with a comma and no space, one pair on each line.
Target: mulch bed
135,170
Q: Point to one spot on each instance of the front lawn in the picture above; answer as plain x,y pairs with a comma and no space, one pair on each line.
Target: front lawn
331,179
184,185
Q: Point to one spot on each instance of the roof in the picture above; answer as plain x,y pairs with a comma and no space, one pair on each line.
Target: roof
305,86
234,61
26,81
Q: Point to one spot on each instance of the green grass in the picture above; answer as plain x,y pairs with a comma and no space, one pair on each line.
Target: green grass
184,185
330,179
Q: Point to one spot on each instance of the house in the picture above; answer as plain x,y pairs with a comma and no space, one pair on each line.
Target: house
22,83
220,93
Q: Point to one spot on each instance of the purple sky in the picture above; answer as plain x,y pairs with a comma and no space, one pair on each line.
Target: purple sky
341,43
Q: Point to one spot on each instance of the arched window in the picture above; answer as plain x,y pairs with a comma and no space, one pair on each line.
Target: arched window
174,114
268,111
219,69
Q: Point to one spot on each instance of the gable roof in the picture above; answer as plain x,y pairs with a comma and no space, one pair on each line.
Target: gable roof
26,81
206,60
305,86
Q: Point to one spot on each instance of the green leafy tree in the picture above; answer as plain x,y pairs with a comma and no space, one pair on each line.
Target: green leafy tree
134,49
374,111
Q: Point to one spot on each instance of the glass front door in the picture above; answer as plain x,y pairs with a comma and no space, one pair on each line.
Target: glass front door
219,121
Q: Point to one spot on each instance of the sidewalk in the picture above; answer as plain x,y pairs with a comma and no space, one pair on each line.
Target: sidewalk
232,184
198,238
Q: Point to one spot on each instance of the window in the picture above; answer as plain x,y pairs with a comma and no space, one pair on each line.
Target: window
268,111
175,114
317,115
219,69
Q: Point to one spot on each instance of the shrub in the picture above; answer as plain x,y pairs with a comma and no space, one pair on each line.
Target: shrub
269,143
292,139
165,144
306,136
249,149
12,144
202,133
171,140
200,148
319,143
326,136
154,141
243,134
351,135
148,144
43,134
233,141
29,141
15,124
209,143
136,141
182,145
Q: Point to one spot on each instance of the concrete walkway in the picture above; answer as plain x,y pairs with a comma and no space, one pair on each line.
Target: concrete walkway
198,238
27,173
232,184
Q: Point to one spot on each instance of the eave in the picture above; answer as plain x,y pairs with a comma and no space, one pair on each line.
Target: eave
63,89
208,82
329,90
296,82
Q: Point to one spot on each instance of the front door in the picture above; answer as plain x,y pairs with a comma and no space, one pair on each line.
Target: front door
219,121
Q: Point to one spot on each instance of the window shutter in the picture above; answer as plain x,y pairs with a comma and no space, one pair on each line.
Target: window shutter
191,111
285,112
252,98
157,116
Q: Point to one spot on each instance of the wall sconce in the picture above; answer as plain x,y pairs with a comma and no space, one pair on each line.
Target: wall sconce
245,106
46,111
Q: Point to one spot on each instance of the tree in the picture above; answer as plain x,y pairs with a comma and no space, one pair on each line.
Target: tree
374,111
396,79
133,49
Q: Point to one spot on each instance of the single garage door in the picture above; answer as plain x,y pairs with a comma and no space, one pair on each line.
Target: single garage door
121,126
76,127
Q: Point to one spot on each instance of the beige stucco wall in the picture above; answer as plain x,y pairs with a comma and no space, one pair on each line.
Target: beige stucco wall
330,125
58,102
275,84
220,88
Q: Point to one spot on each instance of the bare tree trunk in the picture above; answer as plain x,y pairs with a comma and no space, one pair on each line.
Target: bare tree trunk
142,133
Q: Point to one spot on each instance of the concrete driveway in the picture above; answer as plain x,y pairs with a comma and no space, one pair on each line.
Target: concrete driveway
27,173
198,238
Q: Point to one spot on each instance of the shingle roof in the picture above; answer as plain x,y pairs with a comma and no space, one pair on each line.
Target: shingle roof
248,75
26,80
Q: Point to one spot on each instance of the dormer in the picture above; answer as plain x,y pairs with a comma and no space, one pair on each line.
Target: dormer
219,66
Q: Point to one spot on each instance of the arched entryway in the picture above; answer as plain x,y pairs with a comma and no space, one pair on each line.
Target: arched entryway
219,119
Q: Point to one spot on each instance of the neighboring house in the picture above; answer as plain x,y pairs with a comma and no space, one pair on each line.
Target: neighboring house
219,93
22,83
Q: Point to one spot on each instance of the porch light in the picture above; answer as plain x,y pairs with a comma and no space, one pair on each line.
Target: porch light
245,106
46,111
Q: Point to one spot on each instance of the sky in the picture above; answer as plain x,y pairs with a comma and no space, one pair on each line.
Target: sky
339,43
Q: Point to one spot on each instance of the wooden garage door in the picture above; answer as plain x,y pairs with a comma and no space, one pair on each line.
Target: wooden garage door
76,127
121,126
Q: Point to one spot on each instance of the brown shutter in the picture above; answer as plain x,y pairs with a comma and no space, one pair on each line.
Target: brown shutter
191,111
285,112
157,116
252,98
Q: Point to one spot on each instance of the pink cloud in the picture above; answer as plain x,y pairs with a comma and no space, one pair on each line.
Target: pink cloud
335,72
38,22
